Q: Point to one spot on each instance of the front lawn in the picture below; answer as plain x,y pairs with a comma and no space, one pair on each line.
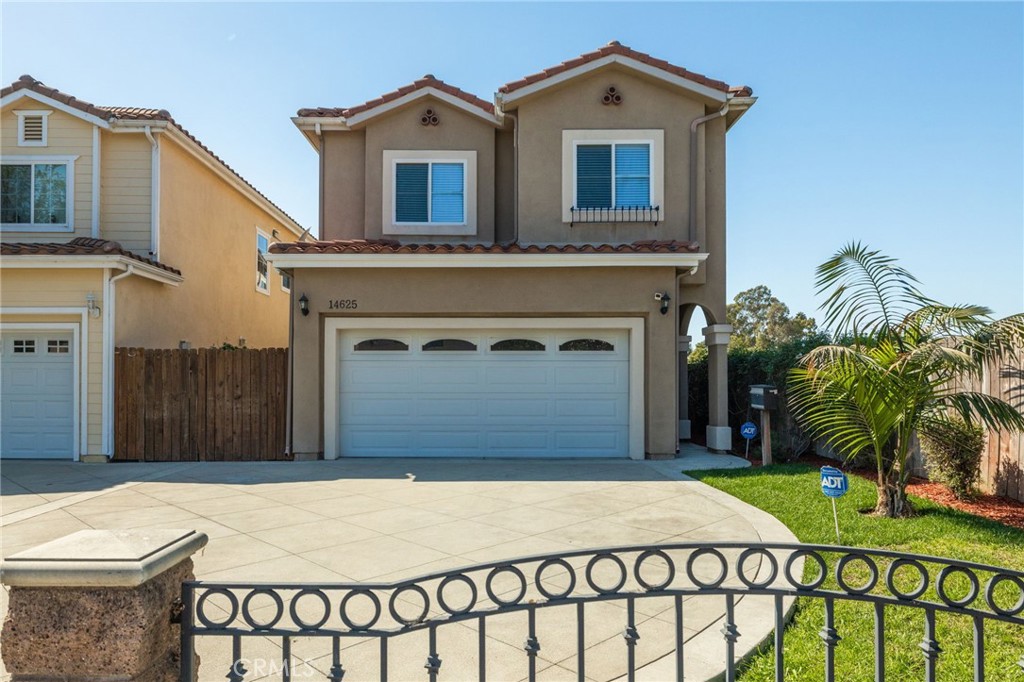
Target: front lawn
792,493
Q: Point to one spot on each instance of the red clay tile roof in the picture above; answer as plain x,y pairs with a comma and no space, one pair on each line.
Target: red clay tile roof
615,47
389,246
81,246
128,113
427,81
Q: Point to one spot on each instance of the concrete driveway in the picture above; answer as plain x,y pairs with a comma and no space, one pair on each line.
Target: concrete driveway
382,520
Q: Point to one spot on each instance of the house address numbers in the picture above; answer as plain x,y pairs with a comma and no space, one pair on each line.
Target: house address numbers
343,304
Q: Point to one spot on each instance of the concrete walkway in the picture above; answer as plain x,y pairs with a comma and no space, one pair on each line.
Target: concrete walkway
383,520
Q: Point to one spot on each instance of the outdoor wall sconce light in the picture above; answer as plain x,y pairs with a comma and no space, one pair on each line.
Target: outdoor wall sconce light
90,304
304,305
664,298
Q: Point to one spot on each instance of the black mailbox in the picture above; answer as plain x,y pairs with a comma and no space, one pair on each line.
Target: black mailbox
764,397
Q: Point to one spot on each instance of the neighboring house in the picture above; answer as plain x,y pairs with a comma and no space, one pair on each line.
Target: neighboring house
119,228
515,279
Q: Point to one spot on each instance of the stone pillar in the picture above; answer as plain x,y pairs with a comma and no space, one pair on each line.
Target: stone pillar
98,605
719,435
684,388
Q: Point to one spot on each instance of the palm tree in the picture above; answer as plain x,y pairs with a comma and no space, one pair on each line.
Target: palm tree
902,370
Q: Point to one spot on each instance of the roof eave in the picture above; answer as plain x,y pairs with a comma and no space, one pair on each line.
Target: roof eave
46,261
291,261
362,117
511,99
737,107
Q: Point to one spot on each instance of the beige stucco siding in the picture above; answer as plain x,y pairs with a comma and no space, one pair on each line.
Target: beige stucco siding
343,186
66,136
126,189
577,105
353,198
208,231
563,293
39,289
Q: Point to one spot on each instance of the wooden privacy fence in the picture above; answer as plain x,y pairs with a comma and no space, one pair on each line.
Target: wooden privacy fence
200,404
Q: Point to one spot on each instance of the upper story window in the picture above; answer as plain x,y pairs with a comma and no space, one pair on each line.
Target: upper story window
429,192
32,128
37,193
262,278
613,176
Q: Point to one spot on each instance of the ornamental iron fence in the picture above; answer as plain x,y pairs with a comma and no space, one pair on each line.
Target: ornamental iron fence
362,621
619,214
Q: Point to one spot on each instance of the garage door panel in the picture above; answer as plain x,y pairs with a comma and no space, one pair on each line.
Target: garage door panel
511,408
442,407
484,403
373,406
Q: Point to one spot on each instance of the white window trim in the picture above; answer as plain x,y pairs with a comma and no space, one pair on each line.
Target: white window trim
260,233
68,161
21,114
333,326
571,139
285,289
390,223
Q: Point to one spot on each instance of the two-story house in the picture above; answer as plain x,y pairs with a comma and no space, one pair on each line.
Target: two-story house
119,229
516,278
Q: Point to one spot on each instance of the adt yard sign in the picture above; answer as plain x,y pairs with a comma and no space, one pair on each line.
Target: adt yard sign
749,430
833,482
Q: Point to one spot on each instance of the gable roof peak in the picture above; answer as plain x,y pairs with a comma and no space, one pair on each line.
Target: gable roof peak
615,48
427,81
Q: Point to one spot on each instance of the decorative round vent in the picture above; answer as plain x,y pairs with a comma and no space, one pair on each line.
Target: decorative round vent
611,96
429,118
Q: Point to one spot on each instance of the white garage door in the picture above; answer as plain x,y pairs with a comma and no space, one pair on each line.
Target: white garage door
483,393
37,402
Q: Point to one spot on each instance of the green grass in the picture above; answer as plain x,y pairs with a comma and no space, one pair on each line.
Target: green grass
792,493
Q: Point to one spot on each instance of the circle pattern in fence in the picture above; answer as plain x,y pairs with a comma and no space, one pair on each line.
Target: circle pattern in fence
686,568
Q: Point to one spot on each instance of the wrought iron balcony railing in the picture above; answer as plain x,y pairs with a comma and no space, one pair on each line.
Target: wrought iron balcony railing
622,214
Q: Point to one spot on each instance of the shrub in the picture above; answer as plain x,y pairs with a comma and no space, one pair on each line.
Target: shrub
953,454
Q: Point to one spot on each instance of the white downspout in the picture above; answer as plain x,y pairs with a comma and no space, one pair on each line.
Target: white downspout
109,310
291,368
154,218
95,233
698,122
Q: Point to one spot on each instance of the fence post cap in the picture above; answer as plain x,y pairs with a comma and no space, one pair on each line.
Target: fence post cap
101,558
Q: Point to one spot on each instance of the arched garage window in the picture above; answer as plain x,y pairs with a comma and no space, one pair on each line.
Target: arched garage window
517,345
449,344
586,345
381,344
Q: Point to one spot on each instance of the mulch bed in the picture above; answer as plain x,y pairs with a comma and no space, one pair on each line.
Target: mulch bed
1001,509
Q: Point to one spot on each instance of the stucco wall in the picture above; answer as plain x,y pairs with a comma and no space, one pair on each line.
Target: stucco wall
63,288
208,231
126,188
488,293
353,201
66,136
577,105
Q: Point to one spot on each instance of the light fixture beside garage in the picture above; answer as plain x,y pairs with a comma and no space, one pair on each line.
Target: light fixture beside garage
304,304
90,303
664,298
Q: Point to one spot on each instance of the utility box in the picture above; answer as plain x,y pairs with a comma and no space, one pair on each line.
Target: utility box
764,397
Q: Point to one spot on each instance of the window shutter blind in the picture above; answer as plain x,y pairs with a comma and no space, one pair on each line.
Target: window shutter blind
593,176
411,192
447,203
632,175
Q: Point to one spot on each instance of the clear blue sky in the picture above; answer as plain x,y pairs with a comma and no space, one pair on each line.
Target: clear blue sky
901,125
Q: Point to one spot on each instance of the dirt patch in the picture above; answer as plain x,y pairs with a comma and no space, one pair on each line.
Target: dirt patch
1001,509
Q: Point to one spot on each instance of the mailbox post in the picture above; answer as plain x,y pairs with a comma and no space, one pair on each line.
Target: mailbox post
765,397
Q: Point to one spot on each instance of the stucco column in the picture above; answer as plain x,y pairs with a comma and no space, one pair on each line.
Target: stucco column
719,435
98,605
684,387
